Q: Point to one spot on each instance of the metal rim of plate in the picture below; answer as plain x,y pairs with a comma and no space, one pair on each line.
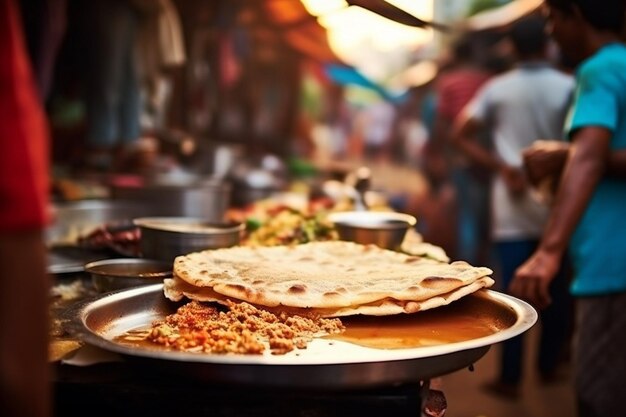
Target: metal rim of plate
326,363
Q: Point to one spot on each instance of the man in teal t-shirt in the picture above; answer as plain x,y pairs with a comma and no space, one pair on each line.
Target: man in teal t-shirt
598,245
589,209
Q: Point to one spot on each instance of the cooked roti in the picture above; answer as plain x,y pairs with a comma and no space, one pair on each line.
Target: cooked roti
324,275
176,289
413,244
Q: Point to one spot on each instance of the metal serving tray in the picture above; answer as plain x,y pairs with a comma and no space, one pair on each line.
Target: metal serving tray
324,364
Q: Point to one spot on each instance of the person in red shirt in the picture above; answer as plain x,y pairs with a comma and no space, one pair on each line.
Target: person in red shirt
455,87
24,382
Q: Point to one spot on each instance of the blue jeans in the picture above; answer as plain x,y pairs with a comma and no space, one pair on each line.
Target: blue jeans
473,216
556,320
113,90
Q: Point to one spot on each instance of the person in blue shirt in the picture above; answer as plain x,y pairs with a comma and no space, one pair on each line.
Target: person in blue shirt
588,211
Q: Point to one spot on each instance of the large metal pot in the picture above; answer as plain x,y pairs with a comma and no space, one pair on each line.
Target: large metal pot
257,178
206,199
73,219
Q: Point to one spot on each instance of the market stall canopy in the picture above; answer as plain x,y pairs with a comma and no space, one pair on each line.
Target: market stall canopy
503,15
299,29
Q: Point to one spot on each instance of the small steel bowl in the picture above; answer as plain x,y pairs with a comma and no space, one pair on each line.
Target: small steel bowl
165,238
381,228
115,274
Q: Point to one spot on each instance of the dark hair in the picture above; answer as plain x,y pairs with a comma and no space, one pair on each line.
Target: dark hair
528,35
463,48
601,14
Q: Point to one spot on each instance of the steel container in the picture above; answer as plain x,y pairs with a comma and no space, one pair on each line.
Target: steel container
73,219
206,199
381,228
165,238
115,274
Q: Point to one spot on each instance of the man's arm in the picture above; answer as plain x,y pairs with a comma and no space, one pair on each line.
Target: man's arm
546,159
586,164
464,136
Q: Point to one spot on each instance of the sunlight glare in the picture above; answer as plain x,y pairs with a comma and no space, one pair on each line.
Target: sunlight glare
355,27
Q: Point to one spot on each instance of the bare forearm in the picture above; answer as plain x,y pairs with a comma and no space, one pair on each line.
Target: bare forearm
479,154
464,138
584,168
547,159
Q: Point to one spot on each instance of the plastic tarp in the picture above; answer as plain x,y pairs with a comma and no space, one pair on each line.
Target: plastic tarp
347,75
503,15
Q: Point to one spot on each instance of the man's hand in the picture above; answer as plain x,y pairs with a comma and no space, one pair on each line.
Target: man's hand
545,159
532,279
515,180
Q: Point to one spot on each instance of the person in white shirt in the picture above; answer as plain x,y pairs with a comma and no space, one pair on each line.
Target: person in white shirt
518,107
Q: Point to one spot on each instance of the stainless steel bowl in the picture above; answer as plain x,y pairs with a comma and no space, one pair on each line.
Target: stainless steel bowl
115,274
381,228
165,238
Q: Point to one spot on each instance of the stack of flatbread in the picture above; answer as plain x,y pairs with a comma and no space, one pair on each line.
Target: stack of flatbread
331,279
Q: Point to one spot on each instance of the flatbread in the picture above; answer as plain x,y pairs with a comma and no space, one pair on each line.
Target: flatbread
413,244
331,274
176,289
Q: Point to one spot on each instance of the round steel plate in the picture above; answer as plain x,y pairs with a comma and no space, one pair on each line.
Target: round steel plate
325,363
